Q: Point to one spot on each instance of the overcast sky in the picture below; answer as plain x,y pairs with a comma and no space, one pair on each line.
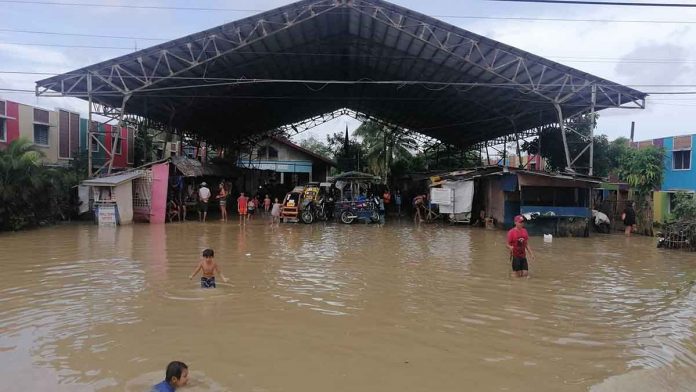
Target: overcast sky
635,54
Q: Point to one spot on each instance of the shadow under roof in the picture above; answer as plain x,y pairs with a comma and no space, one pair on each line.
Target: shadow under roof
312,57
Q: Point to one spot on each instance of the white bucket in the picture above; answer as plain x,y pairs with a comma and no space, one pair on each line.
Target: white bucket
548,238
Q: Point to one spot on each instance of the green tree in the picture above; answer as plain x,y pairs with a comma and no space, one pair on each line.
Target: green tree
684,206
350,156
19,178
578,137
31,193
144,147
383,145
317,146
643,170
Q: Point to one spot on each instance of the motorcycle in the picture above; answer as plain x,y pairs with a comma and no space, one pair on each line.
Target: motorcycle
317,210
361,210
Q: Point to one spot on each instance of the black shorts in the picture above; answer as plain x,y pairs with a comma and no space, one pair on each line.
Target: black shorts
519,264
203,206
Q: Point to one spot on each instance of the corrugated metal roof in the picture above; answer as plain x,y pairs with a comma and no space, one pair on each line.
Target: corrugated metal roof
253,72
187,166
114,180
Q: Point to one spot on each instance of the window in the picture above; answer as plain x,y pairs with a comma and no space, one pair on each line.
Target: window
41,127
118,142
681,160
3,130
267,152
95,145
41,134
272,153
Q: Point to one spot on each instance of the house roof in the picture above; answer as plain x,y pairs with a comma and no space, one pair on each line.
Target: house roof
316,56
465,174
114,180
304,150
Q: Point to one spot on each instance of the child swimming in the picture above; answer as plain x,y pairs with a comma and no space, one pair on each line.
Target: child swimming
209,268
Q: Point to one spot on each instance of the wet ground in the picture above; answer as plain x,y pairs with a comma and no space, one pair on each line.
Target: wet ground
342,308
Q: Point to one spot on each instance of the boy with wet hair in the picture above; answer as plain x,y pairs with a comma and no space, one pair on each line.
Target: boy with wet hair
176,376
518,244
209,268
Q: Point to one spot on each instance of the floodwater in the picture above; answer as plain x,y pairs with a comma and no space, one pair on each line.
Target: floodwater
342,308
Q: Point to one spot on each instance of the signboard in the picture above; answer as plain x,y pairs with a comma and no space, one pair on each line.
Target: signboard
441,196
106,215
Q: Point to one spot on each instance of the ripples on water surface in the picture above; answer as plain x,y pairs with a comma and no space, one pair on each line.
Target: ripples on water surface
342,308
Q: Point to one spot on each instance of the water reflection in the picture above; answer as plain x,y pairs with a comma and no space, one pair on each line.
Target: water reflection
354,306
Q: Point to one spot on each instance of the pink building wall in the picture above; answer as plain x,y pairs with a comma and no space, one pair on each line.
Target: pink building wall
160,183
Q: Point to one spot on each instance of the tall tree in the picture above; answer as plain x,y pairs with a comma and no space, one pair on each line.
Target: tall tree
317,146
550,141
383,145
643,170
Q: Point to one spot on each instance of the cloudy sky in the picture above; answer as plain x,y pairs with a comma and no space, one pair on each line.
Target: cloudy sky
647,55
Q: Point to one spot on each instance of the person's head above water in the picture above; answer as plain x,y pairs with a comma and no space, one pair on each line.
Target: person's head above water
208,253
177,374
519,221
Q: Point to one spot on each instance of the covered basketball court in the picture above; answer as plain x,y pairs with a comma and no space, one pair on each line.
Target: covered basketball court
307,62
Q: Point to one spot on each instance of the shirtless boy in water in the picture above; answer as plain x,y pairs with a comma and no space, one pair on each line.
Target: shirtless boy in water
209,268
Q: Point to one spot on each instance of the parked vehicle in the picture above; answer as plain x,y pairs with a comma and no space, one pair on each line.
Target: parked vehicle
352,190
290,211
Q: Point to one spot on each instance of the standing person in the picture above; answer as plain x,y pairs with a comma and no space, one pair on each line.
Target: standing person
222,199
251,208
175,376
203,197
267,204
397,202
209,268
382,211
419,205
242,204
275,212
629,218
518,244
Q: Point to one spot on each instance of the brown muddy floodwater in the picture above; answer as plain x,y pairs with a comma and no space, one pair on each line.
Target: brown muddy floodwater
342,308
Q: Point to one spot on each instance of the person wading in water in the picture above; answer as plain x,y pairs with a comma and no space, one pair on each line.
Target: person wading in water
518,244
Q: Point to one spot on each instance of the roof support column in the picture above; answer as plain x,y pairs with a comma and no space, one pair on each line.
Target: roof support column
117,139
593,118
90,134
561,124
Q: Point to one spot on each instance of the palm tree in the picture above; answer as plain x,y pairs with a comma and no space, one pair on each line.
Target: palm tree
384,146
20,179
643,170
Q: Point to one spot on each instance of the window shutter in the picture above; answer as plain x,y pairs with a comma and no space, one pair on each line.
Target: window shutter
63,134
41,116
74,135
682,143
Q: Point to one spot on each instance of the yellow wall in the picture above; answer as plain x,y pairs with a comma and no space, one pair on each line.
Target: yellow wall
26,130
660,206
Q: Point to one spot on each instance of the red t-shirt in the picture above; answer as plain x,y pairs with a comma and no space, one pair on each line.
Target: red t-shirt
242,203
517,238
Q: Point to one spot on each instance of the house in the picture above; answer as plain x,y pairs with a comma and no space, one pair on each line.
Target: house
286,162
557,203
679,173
62,135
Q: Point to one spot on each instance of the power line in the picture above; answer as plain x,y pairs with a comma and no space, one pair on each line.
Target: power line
81,35
567,59
619,3
511,18
129,6
400,83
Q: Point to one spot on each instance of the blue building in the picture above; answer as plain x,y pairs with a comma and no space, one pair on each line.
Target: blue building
679,175
679,161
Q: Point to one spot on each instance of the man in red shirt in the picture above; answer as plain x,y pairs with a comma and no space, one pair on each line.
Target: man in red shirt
518,243
242,204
